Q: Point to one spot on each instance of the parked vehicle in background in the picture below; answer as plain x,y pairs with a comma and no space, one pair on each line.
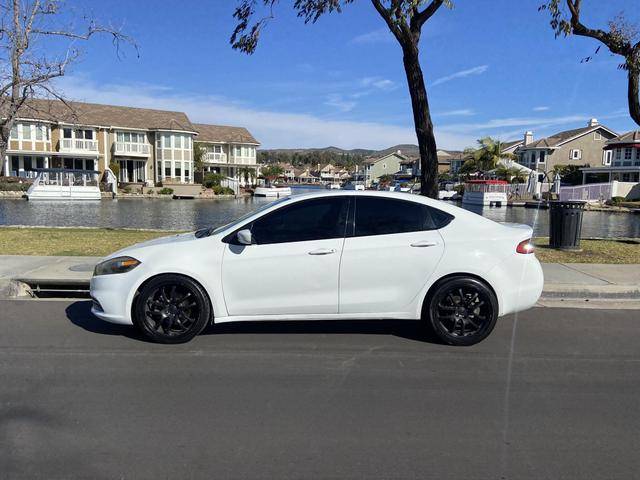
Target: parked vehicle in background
330,255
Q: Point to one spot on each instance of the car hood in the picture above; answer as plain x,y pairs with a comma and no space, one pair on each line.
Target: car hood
181,237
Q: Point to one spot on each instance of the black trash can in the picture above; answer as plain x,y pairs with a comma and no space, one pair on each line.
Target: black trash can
565,224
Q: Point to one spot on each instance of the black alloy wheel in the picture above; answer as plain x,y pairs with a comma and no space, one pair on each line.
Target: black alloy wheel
463,311
171,309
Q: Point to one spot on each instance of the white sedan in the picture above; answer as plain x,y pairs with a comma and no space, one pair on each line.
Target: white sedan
330,255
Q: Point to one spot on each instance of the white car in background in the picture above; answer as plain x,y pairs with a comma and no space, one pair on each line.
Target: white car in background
330,255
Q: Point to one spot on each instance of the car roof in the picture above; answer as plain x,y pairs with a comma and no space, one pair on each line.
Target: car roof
409,197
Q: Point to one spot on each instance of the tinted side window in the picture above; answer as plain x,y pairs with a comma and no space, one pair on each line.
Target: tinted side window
316,219
384,216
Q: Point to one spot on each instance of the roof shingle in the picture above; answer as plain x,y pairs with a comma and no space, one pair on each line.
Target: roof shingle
223,134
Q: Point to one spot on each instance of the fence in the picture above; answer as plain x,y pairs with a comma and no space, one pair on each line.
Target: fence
589,193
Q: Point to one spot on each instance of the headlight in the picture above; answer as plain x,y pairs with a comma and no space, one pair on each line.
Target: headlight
115,265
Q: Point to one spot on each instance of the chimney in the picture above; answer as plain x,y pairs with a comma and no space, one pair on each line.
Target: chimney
528,137
593,122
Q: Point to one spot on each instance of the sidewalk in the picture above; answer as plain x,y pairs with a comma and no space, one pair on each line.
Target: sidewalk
574,282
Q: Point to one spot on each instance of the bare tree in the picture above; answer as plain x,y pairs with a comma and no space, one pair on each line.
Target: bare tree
405,19
38,46
621,39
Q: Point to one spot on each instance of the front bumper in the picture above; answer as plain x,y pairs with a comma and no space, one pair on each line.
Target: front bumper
113,295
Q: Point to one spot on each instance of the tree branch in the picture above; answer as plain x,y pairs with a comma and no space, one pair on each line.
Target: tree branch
419,18
386,16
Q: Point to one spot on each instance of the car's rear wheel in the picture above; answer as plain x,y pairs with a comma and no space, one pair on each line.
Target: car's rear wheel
171,309
462,311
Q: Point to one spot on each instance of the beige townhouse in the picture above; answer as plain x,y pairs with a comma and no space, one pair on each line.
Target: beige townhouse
149,146
229,151
580,146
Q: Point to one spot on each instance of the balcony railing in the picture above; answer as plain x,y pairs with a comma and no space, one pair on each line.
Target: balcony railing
129,148
211,157
78,145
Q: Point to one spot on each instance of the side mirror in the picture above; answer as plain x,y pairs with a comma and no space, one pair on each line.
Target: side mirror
244,237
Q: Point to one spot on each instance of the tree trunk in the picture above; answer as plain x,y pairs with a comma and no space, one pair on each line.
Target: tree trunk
422,122
634,94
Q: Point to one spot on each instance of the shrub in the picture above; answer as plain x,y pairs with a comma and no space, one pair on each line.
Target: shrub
219,190
166,191
212,180
115,168
127,189
150,192
14,186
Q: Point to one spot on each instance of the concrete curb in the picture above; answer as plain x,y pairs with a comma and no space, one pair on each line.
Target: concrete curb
581,292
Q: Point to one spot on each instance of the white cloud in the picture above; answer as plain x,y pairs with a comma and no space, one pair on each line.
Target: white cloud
542,108
480,69
465,112
338,101
381,35
378,82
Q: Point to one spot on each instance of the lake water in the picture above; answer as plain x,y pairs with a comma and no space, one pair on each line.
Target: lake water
193,214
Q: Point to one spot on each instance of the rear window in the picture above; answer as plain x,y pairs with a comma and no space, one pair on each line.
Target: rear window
385,216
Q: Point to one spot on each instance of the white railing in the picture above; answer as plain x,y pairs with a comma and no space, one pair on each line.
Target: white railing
237,160
212,157
232,183
78,145
590,193
130,148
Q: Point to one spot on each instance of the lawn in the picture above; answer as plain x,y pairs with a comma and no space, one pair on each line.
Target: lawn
103,241
592,251
70,241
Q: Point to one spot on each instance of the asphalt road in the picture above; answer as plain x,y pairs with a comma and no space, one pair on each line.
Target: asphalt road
552,394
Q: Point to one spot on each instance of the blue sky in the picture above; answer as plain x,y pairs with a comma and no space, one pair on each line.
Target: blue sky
491,69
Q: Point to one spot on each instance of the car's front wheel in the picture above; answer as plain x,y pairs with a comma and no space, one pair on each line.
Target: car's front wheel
171,309
462,311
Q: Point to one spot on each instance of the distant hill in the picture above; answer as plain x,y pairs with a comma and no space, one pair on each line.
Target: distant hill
406,149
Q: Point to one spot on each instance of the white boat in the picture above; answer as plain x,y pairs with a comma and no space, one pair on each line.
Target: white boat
491,193
64,184
333,186
272,191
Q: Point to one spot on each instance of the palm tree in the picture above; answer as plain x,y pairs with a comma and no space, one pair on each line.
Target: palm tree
510,174
488,153
272,172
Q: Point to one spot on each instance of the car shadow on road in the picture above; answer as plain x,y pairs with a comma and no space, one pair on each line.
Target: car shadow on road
79,313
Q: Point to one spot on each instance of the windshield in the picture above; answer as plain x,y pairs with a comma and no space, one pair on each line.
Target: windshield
237,221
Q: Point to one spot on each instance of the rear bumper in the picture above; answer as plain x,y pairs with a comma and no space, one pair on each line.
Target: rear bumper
520,280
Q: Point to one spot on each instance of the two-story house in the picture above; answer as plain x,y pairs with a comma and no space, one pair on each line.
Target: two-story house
621,160
375,167
229,151
149,146
580,146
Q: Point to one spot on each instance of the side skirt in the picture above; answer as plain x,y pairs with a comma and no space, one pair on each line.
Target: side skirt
323,316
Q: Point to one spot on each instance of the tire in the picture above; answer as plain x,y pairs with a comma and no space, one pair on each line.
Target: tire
462,311
171,309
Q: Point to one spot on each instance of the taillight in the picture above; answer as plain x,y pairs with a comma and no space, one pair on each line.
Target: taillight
525,247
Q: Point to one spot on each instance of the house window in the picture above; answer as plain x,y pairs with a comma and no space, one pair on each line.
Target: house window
217,149
166,139
26,132
39,133
627,153
167,169
66,133
597,136
27,163
542,157
178,170
14,132
575,154
177,141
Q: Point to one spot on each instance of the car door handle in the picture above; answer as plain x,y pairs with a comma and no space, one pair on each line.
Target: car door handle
322,251
424,243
